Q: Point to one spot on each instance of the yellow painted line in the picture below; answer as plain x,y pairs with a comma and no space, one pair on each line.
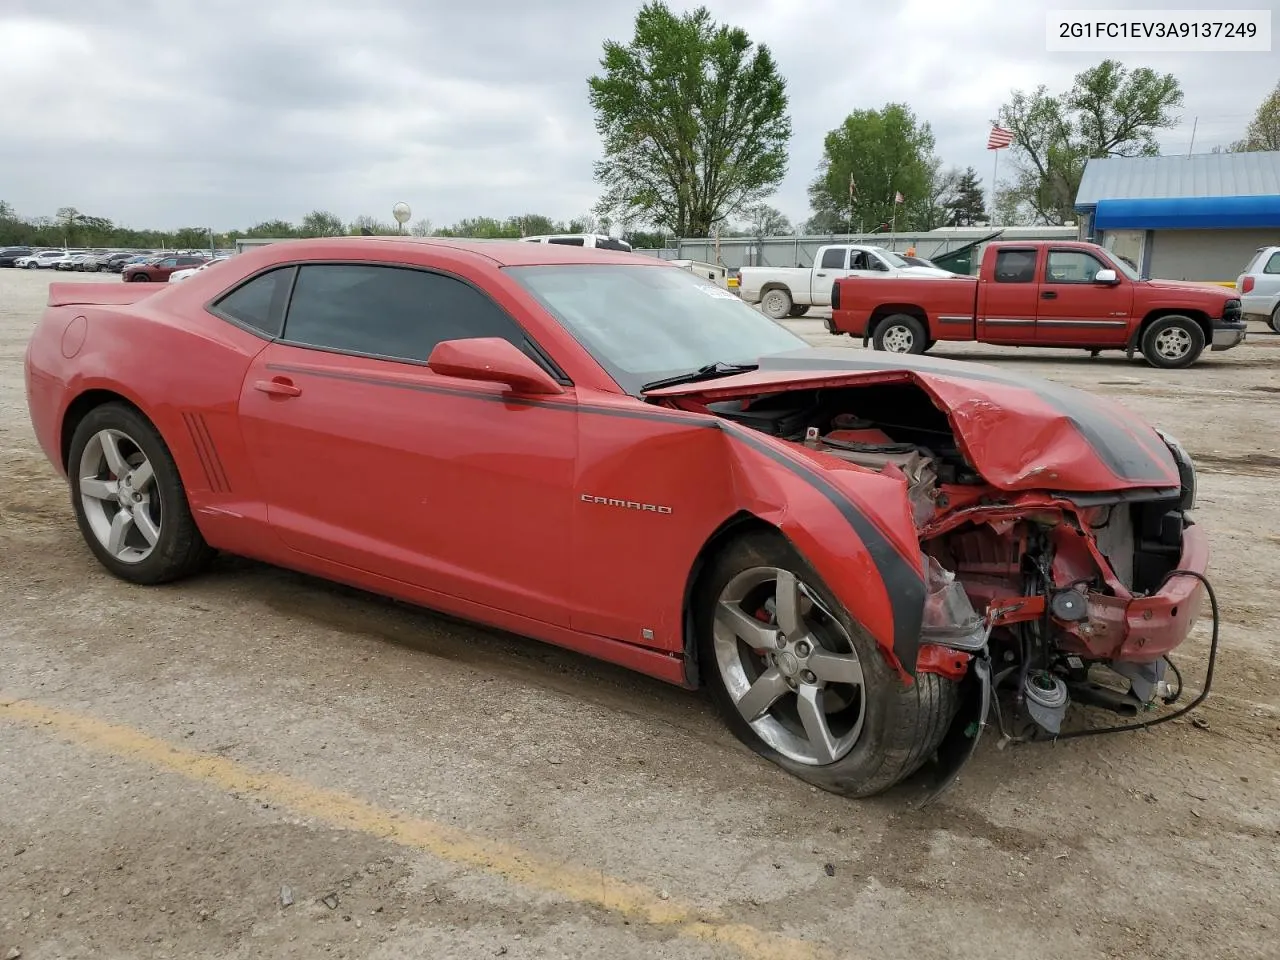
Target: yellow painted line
589,887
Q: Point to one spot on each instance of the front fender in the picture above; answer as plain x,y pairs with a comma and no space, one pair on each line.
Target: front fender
854,528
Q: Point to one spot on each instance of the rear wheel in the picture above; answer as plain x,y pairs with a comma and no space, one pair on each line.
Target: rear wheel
901,333
803,685
1172,342
776,303
129,500
1274,322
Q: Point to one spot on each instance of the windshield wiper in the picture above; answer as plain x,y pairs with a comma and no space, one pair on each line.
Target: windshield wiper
708,372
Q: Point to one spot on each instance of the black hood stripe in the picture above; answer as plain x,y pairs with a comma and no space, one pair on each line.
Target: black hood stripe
1114,444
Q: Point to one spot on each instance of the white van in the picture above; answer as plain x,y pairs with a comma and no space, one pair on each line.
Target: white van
582,240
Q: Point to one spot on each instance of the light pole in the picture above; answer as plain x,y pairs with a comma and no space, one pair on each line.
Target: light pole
402,213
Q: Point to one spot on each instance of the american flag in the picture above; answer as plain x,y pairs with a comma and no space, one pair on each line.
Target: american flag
999,139
898,197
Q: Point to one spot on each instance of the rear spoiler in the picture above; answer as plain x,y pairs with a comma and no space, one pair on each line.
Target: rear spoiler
99,294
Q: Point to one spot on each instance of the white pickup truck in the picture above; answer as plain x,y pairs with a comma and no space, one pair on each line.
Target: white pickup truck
791,291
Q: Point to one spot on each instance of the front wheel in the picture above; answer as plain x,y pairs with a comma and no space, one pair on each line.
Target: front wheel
1172,342
901,333
804,686
776,303
797,311
139,278
129,500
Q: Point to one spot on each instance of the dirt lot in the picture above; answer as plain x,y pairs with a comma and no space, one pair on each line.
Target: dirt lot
171,758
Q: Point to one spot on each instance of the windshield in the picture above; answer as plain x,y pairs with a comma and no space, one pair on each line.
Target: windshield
646,323
890,257
1123,266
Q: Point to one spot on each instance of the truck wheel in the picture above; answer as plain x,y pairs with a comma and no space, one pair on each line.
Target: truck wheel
900,333
1172,342
777,304
797,311
804,685
1274,322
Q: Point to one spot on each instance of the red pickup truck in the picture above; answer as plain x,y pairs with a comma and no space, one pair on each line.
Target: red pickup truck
1042,294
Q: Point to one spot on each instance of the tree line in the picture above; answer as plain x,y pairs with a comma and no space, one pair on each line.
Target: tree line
694,123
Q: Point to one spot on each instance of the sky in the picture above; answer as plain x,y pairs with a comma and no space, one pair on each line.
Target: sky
225,113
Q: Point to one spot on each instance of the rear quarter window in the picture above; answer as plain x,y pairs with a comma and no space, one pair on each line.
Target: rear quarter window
1273,263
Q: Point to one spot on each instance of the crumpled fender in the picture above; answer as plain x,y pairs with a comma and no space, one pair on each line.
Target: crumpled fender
852,525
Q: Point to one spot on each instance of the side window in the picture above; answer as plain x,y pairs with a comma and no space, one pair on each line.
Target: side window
259,304
833,259
1016,266
568,241
169,262
390,312
1071,266
1273,265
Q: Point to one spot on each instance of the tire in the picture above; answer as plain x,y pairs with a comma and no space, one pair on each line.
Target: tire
1172,342
32,266
776,303
901,333
1274,322
894,728
797,311
139,278
178,549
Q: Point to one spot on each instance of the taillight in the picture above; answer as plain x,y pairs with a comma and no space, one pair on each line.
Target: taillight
1247,285
835,295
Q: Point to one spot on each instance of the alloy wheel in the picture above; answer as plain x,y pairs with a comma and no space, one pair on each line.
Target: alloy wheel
1173,343
898,339
117,488
789,666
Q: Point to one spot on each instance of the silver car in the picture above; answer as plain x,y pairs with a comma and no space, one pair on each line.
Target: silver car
1259,287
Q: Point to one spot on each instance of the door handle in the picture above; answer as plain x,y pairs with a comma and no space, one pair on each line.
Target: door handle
278,387
1049,295
822,274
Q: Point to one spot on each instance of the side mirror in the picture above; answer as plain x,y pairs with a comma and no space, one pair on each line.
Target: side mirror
1105,276
493,360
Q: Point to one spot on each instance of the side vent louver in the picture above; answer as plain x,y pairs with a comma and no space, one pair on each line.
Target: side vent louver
214,473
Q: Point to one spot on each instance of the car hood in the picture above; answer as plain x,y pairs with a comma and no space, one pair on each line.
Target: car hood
1018,431
1178,286
925,272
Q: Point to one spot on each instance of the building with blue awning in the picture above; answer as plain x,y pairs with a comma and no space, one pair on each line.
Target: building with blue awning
1200,217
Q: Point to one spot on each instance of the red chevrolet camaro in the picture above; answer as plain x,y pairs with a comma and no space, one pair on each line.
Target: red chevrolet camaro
597,449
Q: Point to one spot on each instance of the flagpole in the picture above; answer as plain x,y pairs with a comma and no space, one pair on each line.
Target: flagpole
994,167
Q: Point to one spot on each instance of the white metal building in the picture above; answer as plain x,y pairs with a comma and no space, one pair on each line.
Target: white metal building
1199,217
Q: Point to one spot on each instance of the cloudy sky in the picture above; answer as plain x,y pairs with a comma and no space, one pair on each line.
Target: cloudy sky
226,112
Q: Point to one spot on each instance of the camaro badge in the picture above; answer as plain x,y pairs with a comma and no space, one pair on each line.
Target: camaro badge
626,504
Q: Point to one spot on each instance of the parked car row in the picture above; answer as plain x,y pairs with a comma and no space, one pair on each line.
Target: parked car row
92,261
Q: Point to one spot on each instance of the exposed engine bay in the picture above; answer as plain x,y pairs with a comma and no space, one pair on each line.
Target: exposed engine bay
1035,592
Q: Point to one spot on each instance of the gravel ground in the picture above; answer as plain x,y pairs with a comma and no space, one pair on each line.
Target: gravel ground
172,758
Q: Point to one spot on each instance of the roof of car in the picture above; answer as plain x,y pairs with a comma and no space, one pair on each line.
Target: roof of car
507,253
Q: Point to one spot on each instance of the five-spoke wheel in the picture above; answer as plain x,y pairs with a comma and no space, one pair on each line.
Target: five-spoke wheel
789,665
129,499
802,683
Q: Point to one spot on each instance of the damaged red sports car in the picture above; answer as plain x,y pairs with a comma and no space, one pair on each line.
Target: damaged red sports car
856,553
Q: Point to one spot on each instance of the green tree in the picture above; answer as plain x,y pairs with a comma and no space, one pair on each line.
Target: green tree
272,229
1109,111
1263,132
693,118
373,225
968,207
766,221
321,223
877,153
